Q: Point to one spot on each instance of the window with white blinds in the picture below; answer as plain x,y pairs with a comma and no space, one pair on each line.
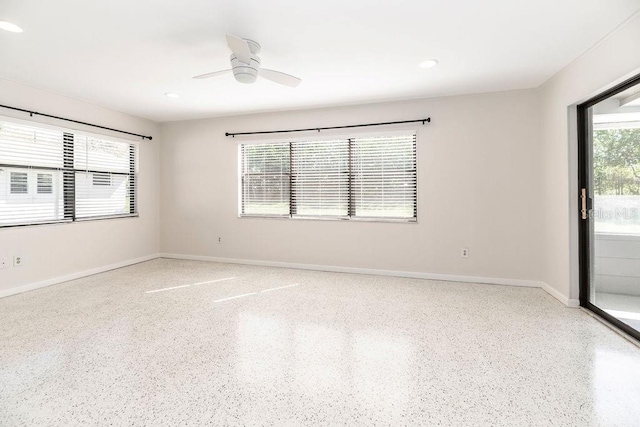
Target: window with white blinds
265,179
105,177
49,175
343,178
384,177
320,178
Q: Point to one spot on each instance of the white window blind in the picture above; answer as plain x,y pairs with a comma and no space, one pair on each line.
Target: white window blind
384,177
46,175
320,178
30,178
265,179
31,146
105,177
349,178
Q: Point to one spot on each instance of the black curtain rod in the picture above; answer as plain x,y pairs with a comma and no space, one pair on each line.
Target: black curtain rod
31,113
427,120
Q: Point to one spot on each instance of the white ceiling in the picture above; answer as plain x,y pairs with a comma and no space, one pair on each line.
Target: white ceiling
125,54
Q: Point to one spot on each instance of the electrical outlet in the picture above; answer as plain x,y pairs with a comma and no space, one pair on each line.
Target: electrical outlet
3,263
219,240
465,253
18,261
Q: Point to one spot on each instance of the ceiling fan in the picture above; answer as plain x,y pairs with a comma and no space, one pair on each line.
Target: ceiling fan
245,64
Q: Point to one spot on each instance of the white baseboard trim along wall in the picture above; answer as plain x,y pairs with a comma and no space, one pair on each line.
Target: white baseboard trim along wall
394,273
337,269
557,295
74,276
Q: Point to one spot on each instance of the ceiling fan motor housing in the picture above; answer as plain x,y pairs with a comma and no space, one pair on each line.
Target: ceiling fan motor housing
245,73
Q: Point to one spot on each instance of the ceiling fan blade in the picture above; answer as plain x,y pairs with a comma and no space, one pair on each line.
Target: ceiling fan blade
280,78
240,48
214,74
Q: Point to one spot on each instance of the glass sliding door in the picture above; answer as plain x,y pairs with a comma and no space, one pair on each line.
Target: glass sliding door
609,149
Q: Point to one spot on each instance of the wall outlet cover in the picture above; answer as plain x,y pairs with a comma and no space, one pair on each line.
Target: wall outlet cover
18,261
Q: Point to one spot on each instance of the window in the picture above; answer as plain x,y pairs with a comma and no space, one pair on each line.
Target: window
45,183
343,178
320,178
19,183
265,179
53,175
101,179
384,177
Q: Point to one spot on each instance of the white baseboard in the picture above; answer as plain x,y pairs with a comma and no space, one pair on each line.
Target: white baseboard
74,276
355,270
395,273
337,269
560,297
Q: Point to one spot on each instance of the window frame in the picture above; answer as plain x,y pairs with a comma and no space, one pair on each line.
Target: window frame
68,172
327,136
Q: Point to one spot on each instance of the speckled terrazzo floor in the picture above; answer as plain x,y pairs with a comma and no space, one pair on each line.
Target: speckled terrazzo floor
335,349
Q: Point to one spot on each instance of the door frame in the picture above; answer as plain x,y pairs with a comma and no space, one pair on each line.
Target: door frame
584,238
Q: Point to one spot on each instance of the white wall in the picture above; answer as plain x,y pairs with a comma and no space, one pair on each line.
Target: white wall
51,251
613,60
478,181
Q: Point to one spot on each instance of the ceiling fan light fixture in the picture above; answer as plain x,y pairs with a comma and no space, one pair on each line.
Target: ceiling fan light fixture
9,26
246,78
428,63
245,64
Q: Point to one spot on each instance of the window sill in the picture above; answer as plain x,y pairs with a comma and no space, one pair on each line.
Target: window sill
102,218
78,220
337,219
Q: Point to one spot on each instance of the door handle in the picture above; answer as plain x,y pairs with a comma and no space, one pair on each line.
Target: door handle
584,213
